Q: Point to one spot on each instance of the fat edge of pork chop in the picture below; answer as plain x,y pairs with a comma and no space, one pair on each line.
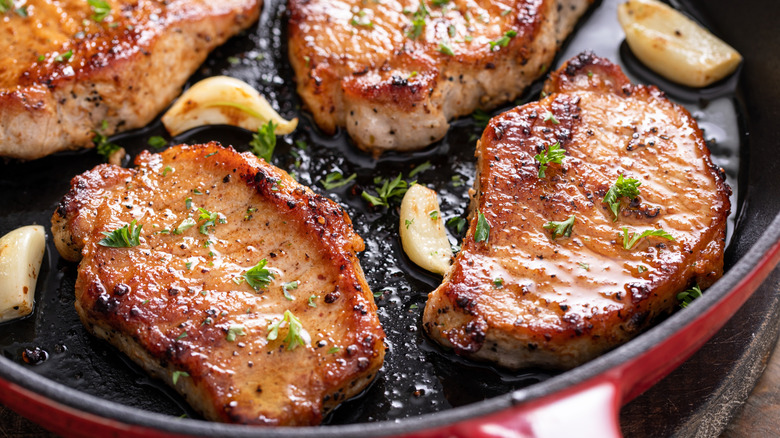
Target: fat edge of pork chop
66,74
562,301
395,92
180,305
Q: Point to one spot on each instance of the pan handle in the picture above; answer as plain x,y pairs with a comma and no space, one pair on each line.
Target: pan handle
590,409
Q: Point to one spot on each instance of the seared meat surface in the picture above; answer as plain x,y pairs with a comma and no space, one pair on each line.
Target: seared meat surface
531,296
181,303
67,66
395,72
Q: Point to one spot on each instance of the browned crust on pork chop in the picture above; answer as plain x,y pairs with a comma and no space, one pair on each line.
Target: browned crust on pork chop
172,302
395,92
63,73
563,301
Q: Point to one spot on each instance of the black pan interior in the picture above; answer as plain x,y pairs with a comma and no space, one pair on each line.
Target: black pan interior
418,377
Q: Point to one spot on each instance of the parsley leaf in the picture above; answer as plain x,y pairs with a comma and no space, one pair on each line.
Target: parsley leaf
157,142
481,117
418,21
498,283
434,214
389,190
336,179
360,20
554,154
457,224
622,187
259,277
102,145
125,237
287,287
63,57
186,224
233,331
211,220
101,9
446,49
503,41
562,228
629,242
295,332
177,374
549,117
687,297
482,233
311,301
332,350
264,141
420,168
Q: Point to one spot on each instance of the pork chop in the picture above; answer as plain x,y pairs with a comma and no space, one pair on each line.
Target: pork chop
395,72
69,66
228,246
537,293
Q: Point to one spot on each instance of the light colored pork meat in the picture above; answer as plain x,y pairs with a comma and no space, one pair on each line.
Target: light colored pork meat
525,298
68,67
179,302
395,85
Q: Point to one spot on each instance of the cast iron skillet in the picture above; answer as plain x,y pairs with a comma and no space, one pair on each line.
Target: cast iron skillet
85,389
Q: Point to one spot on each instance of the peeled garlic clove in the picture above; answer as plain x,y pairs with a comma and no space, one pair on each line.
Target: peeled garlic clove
674,46
422,230
21,253
222,100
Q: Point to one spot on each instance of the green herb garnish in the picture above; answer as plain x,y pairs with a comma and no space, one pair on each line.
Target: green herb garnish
503,41
157,142
434,214
287,287
554,154
481,117
125,237
584,266
332,350
628,187
336,179
360,20
686,297
482,233
446,49
311,301
420,168
418,21
549,117
294,336
177,374
233,331
388,191
102,145
211,220
62,57
630,241
408,222
498,283
264,141
259,277
457,223
563,228
186,224
100,8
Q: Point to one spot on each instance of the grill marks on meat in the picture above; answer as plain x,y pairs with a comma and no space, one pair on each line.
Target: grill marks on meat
392,92
172,302
564,301
124,69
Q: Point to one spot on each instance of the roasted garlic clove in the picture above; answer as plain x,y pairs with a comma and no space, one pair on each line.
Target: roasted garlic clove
674,46
222,100
422,230
21,253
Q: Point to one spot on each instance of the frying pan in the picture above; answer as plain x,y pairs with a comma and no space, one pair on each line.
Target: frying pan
85,387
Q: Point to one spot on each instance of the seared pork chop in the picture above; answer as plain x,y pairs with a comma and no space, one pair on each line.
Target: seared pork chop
395,72
68,66
537,293
228,246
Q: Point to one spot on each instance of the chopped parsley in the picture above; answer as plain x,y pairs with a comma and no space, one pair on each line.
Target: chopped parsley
584,266
641,268
63,57
457,224
554,154
451,31
434,214
336,179
549,117
124,237
185,225
630,241
420,168
628,187
102,145
100,8
446,49
157,142
287,287
258,277
181,336
332,350
167,170
178,374
233,331
482,233
211,220
264,141
311,301
418,21
188,203
360,20
498,283
408,222
295,334
389,190
503,41
249,211
686,297
562,228
481,117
